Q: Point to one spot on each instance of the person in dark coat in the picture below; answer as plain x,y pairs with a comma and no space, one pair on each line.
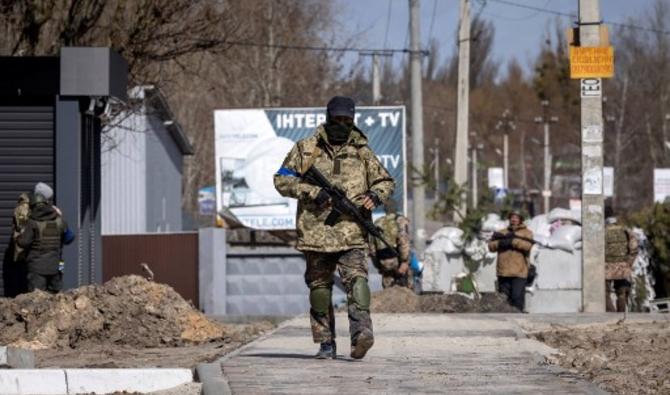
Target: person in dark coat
43,238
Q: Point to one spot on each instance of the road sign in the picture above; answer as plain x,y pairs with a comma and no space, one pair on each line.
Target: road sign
591,62
591,87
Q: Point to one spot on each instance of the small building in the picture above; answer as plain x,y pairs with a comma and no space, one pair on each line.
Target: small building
51,111
141,165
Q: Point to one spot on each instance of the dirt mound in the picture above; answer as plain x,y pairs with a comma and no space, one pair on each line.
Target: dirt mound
404,300
625,358
395,300
126,310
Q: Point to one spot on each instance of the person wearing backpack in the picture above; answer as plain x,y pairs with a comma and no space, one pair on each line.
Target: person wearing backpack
395,270
42,238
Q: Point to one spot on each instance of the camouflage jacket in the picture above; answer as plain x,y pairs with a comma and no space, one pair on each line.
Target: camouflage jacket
621,248
19,222
353,167
395,229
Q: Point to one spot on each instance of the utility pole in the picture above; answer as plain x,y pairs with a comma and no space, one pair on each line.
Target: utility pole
376,74
546,119
376,83
419,191
436,163
461,159
506,125
593,228
475,167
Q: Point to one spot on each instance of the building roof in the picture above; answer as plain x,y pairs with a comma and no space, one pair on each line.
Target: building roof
153,97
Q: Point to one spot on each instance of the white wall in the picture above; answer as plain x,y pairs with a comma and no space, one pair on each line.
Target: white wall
124,177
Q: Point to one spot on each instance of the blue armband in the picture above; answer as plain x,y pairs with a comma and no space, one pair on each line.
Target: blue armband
285,171
68,236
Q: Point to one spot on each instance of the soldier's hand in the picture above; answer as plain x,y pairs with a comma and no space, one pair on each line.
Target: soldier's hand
368,203
322,199
370,200
403,268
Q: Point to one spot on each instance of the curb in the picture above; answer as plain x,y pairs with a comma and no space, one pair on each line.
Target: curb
258,340
77,381
211,375
212,379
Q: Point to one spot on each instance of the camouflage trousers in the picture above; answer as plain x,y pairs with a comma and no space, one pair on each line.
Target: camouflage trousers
321,267
388,268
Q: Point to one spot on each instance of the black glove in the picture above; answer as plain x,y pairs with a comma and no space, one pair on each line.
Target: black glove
505,244
322,198
497,236
374,197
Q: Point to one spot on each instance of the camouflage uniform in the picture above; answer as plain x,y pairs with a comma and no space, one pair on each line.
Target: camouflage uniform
395,228
356,170
20,220
621,248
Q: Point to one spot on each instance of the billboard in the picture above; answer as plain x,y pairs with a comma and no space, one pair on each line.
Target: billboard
661,185
207,200
250,145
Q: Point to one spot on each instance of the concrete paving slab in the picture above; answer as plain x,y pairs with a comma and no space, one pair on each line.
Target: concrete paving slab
418,354
103,381
16,358
33,382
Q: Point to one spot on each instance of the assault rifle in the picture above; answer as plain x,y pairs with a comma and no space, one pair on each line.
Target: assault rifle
342,205
511,235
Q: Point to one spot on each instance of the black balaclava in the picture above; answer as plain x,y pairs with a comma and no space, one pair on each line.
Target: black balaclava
338,132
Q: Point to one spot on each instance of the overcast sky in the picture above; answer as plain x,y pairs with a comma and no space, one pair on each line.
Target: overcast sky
519,32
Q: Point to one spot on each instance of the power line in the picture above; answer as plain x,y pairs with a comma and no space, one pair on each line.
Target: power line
388,22
530,7
318,48
509,18
563,14
432,22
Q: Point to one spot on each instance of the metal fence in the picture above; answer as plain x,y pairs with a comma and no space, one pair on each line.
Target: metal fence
172,257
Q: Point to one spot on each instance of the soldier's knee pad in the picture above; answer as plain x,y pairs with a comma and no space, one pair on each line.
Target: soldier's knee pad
360,293
320,299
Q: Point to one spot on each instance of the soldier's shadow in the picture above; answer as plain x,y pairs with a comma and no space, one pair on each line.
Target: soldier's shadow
341,358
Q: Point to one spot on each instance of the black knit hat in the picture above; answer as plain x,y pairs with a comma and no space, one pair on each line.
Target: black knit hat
341,106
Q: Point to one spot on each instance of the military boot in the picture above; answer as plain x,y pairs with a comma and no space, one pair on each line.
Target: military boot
327,350
362,343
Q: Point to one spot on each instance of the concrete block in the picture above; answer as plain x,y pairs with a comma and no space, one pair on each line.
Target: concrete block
486,277
33,382
558,269
212,270
16,358
554,301
103,381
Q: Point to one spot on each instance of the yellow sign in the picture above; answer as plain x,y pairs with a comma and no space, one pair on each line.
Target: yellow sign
591,62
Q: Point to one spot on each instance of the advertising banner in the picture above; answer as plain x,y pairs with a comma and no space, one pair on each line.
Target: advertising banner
207,200
250,145
496,178
661,185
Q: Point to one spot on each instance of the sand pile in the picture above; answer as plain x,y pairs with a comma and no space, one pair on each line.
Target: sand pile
127,310
395,300
404,300
623,358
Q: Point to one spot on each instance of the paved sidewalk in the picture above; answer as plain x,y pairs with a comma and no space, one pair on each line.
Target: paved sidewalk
417,354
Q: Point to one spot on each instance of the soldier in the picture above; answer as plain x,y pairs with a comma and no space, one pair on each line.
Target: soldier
395,270
43,238
19,221
339,150
512,265
621,248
